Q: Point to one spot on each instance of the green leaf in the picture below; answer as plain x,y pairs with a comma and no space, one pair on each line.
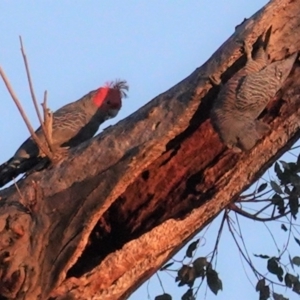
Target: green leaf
275,187
213,281
264,293
298,161
296,288
187,275
188,295
283,227
199,264
290,259
293,167
262,187
295,180
290,280
166,266
287,280
260,284
274,268
294,204
277,170
163,297
279,297
285,165
280,274
296,261
278,201
273,265
287,190
262,256
183,271
297,241
191,248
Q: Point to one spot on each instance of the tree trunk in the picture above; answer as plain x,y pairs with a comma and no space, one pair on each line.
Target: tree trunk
100,223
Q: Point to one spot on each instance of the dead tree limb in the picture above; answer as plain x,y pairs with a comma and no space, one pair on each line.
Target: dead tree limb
103,221
30,82
23,114
46,122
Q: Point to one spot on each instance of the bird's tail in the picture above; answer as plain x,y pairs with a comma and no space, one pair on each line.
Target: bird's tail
7,172
14,167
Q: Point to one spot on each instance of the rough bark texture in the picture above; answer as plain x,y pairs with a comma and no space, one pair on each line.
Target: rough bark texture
102,222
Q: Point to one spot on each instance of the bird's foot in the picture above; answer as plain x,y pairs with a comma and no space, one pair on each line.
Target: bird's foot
60,154
234,148
247,49
214,81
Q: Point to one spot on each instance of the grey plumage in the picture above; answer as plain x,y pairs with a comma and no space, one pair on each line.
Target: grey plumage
73,124
242,99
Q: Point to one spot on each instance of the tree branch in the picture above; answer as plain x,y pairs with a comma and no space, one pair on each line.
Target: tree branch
123,203
26,120
244,213
44,124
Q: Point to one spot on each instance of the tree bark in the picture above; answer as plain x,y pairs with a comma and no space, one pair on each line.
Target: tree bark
100,223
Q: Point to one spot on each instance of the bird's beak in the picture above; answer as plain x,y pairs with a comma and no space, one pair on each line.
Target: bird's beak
113,112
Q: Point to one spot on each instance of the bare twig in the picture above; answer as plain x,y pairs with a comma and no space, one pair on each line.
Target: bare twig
288,239
263,209
160,282
243,213
30,82
18,190
255,271
272,237
46,129
48,122
219,236
20,108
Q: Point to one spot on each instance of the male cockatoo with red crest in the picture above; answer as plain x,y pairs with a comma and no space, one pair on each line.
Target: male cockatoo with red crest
72,124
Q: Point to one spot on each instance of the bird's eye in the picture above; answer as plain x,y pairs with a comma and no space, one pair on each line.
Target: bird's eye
108,102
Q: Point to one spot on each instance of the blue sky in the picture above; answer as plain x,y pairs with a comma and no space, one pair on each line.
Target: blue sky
76,46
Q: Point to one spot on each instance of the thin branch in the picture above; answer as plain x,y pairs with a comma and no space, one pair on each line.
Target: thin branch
148,292
263,209
19,192
20,108
30,82
240,255
246,259
160,283
242,197
43,125
253,200
219,236
48,122
288,239
241,236
241,212
277,220
272,237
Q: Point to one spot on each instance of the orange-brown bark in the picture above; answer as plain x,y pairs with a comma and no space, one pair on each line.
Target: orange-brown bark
104,220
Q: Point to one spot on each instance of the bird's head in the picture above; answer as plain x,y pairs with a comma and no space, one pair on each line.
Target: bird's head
109,97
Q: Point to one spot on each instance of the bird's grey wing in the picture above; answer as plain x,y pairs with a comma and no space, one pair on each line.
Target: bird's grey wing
253,93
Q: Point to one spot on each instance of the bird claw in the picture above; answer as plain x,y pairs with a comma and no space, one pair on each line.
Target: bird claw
214,81
60,154
234,148
247,48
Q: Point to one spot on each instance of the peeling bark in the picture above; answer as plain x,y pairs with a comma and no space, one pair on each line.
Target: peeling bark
99,224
